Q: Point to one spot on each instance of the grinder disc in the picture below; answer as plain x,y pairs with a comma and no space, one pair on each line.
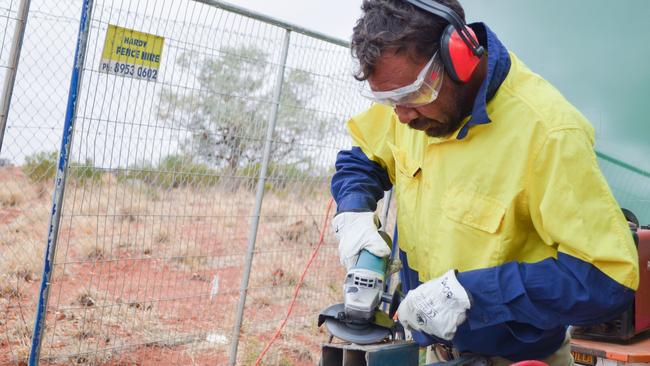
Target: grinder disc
356,333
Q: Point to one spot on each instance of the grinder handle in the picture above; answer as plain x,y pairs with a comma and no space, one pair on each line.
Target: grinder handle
371,262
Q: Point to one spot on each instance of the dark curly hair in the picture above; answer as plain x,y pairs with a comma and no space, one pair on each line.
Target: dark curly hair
398,25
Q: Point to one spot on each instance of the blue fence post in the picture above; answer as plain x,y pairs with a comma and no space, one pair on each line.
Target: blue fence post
59,183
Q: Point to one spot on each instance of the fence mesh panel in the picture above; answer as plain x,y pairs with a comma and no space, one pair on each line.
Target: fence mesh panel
31,140
293,211
161,187
630,185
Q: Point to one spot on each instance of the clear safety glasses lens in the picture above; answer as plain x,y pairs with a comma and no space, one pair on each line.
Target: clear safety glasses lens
423,90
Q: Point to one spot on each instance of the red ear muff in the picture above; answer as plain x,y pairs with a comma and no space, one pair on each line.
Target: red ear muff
457,57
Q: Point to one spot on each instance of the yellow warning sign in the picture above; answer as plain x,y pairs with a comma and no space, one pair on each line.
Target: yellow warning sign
131,53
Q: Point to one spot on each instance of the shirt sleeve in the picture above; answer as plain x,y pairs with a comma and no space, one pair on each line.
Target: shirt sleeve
358,182
595,273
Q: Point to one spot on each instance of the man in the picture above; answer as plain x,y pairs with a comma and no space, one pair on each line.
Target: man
508,231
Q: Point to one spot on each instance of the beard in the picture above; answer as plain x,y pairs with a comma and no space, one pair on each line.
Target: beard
452,114
435,128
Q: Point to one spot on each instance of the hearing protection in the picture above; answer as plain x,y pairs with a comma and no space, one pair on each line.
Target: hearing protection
459,48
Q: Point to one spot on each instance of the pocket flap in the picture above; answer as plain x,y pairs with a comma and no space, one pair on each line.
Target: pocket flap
472,209
406,166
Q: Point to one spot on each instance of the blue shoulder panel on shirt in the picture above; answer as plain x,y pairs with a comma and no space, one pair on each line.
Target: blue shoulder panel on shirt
358,182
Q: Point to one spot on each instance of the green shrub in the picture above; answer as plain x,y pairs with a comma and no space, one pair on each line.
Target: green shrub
41,166
173,171
279,177
82,173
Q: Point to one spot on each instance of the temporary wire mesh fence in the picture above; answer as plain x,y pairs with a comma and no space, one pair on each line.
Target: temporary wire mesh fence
158,215
630,185
158,222
29,146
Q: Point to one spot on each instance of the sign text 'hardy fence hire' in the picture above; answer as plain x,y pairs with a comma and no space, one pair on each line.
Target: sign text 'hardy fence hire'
131,53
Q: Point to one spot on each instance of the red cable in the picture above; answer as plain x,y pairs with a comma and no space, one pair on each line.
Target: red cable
302,277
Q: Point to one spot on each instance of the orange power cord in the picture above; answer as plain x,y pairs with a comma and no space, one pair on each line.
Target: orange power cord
299,284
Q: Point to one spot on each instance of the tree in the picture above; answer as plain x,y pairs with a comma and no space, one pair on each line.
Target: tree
227,110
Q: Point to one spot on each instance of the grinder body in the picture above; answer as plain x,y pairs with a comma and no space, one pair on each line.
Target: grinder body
359,319
364,287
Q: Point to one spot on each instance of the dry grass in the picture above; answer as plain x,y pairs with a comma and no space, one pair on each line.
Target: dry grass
18,225
190,256
94,321
17,325
21,333
11,198
91,297
14,193
305,232
85,225
22,260
274,357
92,200
286,351
11,287
281,277
13,232
132,212
260,300
90,248
162,237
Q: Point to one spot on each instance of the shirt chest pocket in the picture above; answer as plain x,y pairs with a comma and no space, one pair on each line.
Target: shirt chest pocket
474,210
405,166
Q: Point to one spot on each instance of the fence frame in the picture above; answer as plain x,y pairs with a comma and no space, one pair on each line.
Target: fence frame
59,182
14,60
273,21
259,196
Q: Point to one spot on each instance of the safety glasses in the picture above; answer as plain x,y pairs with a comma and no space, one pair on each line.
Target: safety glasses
422,91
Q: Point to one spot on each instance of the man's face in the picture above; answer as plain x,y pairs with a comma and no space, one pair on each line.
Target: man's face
438,118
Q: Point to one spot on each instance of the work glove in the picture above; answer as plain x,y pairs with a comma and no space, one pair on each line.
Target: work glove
436,307
357,231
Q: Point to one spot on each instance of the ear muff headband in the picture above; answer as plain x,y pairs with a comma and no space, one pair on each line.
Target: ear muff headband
449,15
459,48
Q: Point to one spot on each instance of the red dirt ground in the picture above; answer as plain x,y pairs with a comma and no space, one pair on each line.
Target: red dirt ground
163,298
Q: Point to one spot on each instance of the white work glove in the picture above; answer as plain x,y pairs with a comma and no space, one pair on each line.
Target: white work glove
357,231
436,307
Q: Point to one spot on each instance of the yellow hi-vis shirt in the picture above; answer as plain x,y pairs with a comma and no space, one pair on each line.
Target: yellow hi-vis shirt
521,188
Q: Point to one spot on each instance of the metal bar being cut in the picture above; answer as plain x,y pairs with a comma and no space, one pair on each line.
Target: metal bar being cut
399,352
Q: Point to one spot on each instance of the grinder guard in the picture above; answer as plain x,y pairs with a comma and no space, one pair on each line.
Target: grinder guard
359,319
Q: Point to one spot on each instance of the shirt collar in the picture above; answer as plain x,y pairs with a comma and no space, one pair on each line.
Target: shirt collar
498,67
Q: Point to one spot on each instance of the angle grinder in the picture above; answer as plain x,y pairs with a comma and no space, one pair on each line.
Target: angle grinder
359,319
